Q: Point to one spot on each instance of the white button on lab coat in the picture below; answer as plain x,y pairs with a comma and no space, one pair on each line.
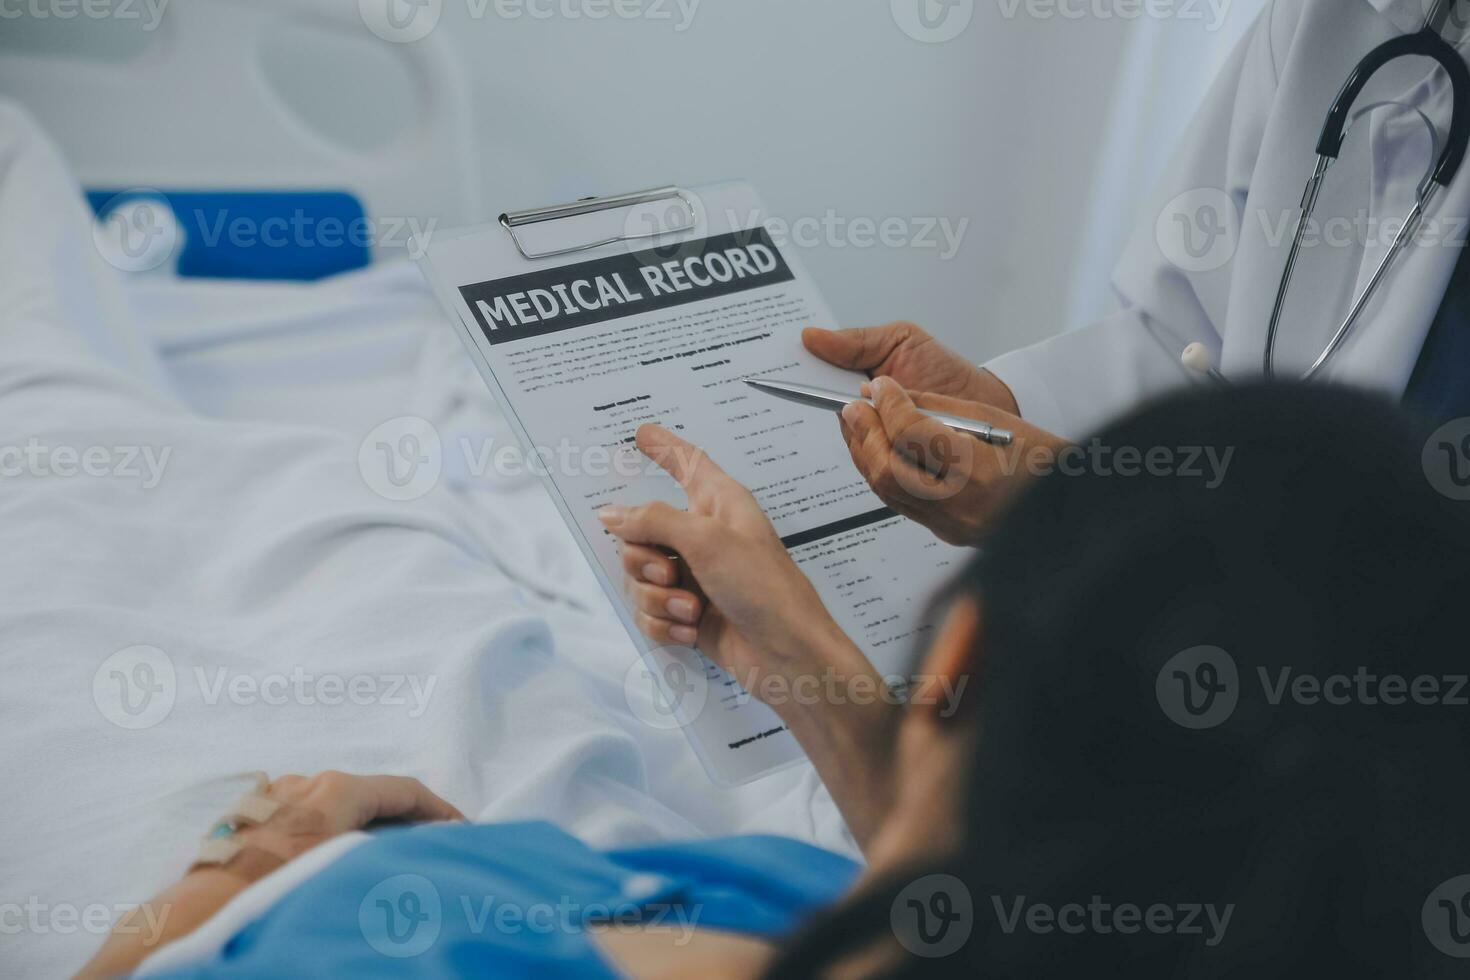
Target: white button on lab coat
1245,159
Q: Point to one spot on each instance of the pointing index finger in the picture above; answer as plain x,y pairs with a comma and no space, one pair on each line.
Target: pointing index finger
684,461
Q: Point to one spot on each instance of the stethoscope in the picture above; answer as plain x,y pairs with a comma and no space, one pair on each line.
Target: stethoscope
1428,42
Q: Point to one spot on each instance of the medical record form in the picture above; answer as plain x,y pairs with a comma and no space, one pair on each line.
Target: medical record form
660,323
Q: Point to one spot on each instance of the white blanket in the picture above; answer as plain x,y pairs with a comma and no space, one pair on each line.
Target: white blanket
198,581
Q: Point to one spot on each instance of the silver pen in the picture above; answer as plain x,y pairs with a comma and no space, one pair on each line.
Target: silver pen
836,401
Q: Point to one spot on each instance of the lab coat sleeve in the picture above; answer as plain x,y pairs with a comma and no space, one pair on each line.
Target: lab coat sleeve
1078,381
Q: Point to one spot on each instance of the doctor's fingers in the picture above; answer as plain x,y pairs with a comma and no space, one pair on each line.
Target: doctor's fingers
946,458
979,411
858,348
896,408
897,480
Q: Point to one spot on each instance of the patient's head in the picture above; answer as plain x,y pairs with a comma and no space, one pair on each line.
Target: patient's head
1246,698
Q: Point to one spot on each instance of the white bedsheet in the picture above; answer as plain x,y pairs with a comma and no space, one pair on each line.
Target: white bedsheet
262,557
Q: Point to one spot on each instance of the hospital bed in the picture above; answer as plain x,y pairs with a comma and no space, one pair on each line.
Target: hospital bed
263,555
267,108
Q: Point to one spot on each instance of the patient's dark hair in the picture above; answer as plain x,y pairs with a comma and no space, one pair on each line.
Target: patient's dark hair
1325,551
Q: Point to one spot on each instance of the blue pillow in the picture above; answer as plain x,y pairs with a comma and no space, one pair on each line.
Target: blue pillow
294,235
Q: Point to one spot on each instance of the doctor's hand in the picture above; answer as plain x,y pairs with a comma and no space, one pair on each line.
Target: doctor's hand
908,355
951,482
734,591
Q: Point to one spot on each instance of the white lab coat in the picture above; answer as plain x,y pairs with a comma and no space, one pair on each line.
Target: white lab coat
1255,139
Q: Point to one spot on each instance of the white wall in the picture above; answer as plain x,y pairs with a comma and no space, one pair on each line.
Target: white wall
1036,133
827,104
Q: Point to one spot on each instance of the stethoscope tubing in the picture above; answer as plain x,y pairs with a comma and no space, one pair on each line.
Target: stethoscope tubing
1428,42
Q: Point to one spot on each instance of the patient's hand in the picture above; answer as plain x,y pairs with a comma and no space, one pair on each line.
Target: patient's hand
907,354
343,803
314,810
734,593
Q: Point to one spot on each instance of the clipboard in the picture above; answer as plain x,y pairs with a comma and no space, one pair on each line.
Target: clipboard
511,221
736,327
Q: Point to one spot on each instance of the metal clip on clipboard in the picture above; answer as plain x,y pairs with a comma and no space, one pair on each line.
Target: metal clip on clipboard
592,205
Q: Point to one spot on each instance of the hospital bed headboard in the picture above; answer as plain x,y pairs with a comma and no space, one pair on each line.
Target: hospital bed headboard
295,102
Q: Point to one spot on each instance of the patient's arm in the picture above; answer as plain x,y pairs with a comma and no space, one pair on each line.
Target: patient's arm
335,803
174,913
739,597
